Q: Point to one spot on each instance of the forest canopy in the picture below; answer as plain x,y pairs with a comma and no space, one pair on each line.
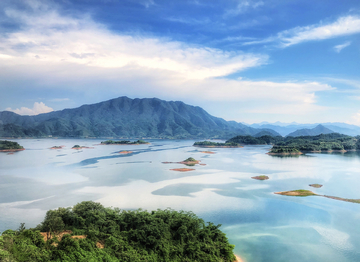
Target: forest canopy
96,233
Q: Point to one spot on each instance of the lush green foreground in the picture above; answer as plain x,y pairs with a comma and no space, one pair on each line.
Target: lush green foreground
162,235
9,145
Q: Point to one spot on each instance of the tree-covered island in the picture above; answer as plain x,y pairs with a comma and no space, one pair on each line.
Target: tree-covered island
333,142
10,146
91,232
124,142
216,144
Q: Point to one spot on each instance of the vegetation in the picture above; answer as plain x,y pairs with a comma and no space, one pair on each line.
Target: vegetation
296,145
9,145
111,234
190,159
123,142
250,140
215,144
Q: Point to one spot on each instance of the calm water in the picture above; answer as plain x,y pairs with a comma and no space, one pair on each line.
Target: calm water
262,225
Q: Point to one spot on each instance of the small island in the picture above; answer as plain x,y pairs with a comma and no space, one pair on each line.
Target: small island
77,147
304,193
208,152
57,147
316,185
283,150
125,152
217,144
189,162
299,192
124,142
10,146
260,177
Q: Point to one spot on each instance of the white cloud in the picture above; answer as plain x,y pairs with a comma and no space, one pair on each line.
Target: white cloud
51,38
76,54
39,108
343,26
338,48
243,6
355,119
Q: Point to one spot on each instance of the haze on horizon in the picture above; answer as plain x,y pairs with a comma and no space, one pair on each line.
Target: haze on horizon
243,60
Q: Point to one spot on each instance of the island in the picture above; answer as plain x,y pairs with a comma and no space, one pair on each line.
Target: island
77,147
216,144
260,177
299,192
189,162
304,193
57,147
208,152
316,185
91,232
10,146
125,152
324,143
124,142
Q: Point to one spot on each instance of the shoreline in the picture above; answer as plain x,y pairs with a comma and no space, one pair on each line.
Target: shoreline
12,150
219,146
238,259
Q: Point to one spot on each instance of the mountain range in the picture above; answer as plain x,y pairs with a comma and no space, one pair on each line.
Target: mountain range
287,129
126,118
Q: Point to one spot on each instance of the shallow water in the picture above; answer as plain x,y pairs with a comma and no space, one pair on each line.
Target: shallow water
262,225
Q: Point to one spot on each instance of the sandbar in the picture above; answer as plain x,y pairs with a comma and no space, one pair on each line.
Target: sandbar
208,152
125,152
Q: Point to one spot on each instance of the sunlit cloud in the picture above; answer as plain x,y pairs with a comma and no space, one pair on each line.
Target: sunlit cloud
39,108
49,37
338,48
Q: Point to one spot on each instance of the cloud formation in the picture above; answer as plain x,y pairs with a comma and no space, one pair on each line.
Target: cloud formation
338,48
346,25
39,108
51,38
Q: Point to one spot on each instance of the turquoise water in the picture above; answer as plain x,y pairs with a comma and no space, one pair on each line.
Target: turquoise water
262,225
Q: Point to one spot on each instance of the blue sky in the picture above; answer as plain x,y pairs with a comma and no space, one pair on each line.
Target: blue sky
242,60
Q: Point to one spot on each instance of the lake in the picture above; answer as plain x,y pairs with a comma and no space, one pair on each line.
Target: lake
262,225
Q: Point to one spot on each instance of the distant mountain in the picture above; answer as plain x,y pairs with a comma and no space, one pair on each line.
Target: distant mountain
125,118
286,128
319,129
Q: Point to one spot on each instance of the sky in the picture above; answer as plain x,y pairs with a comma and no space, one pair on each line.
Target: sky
243,60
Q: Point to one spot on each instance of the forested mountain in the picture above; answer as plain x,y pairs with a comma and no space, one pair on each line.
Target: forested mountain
319,129
126,118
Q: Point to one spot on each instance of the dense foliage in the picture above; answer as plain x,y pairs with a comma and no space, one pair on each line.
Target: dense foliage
7,145
215,144
123,142
250,140
317,143
289,144
162,235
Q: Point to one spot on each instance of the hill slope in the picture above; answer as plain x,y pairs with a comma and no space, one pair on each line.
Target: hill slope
125,117
319,129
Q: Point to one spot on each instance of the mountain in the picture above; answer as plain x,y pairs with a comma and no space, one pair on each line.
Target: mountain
286,128
319,129
126,118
